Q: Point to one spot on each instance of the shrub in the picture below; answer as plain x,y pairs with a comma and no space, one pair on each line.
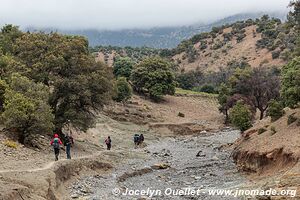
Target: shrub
273,130
240,116
123,67
208,89
155,77
275,110
261,130
291,119
10,144
123,90
275,54
180,114
290,89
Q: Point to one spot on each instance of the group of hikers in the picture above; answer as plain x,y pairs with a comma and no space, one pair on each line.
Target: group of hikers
56,144
68,141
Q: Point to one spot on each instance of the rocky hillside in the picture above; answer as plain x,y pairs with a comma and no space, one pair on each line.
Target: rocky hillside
265,41
261,42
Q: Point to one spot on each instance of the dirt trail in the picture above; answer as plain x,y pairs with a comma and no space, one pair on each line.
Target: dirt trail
212,168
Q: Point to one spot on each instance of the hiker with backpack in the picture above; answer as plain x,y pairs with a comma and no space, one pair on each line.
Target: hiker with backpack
56,142
141,139
108,142
136,140
68,143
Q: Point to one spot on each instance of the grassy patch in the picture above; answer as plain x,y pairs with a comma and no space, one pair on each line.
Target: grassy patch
180,91
10,144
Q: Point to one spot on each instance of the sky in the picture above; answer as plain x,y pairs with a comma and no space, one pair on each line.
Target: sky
125,14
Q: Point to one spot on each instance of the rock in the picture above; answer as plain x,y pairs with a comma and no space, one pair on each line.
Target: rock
215,158
75,196
197,177
160,166
180,114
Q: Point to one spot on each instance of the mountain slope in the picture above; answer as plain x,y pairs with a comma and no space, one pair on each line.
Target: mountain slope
160,37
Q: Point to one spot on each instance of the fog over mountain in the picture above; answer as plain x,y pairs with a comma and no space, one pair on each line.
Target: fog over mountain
126,14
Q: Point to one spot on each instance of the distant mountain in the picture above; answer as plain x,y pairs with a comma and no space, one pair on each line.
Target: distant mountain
164,37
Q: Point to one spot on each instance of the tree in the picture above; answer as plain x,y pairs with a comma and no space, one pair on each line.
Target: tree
259,85
123,90
290,83
263,87
26,108
240,116
155,77
275,110
123,67
8,35
79,85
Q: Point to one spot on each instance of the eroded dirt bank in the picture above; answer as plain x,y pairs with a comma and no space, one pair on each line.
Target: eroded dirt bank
201,161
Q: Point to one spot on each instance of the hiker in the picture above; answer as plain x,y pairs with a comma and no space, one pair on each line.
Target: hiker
108,142
136,140
141,140
68,143
56,142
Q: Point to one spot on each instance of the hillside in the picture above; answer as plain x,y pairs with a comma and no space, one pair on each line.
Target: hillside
261,42
157,37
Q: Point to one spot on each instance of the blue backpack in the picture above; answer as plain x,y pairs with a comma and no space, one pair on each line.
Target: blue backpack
55,143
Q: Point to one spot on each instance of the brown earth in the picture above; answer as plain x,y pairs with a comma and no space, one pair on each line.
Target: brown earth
32,173
210,59
271,157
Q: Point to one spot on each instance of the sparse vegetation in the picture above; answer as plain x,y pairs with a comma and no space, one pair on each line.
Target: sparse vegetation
240,116
273,130
261,131
275,110
291,119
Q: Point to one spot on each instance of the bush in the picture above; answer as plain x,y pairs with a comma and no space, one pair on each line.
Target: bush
290,89
10,144
240,116
291,119
261,130
208,89
123,67
275,54
275,110
273,130
123,90
155,77
26,109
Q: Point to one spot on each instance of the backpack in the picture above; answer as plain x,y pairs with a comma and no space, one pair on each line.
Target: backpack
55,143
136,138
107,141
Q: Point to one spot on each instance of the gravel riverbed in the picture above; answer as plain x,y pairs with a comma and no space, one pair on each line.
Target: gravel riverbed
181,167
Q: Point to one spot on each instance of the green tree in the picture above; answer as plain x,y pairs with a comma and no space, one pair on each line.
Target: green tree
240,116
275,110
123,90
26,108
290,83
123,67
154,76
79,85
8,35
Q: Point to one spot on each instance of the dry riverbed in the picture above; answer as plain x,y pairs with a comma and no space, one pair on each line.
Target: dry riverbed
169,165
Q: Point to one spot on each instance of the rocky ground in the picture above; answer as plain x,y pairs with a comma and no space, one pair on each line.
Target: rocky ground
201,161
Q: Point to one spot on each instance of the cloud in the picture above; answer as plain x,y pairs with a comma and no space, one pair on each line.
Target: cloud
118,14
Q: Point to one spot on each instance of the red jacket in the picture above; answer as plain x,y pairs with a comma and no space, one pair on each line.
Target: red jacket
55,136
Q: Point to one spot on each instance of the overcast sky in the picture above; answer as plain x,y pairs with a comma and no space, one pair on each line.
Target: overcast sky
119,14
